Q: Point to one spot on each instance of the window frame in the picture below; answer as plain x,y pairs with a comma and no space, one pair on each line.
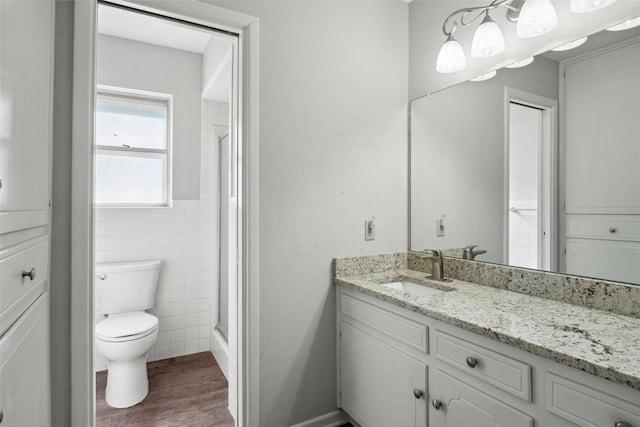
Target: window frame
142,95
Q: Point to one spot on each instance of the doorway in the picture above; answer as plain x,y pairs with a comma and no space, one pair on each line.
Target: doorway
242,127
530,180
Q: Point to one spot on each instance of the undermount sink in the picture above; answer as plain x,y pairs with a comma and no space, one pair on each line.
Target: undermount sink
413,288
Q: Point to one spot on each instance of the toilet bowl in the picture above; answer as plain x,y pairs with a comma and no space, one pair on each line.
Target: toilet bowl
123,292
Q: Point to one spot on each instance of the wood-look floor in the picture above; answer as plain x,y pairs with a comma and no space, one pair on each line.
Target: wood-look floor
186,391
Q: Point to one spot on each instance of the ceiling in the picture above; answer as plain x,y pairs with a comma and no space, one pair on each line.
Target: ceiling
144,28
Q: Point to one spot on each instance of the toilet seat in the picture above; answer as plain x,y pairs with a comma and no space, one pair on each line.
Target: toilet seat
126,326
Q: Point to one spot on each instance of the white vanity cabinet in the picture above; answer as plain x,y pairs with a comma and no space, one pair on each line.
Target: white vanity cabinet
382,366
460,379
26,100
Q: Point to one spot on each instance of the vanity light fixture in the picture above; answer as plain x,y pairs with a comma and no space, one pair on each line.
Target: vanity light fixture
532,18
451,57
626,25
537,17
584,6
488,39
520,64
570,45
485,76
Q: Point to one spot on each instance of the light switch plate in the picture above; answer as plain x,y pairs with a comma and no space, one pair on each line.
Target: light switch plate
369,229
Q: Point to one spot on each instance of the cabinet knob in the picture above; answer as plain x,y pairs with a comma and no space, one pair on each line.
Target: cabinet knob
30,274
622,424
613,230
417,393
436,404
472,362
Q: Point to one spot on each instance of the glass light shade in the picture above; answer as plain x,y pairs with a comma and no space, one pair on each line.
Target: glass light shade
584,6
570,45
537,17
451,57
626,25
521,64
488,39
485,76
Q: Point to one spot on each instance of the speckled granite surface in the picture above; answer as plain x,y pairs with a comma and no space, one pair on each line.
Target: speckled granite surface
593,293
598,342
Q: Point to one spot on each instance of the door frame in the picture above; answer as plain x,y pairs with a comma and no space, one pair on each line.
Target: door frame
548,193
82,206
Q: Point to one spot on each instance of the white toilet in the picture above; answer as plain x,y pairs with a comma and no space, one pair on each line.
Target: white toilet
124,291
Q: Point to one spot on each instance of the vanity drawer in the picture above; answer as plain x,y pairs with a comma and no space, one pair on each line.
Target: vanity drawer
18,292
604,227
588,407
400,328
494,368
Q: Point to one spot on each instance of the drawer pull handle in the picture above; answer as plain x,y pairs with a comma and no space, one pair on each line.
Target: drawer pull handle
622,424
30,274
417,393
436,404
613,230
1,416
472,362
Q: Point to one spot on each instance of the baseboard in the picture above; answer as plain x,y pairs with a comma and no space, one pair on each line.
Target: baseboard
332,419
220,350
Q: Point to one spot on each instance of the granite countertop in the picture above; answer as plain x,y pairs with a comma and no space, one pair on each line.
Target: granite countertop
598,342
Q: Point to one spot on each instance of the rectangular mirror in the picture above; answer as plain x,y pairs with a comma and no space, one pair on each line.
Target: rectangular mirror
537,167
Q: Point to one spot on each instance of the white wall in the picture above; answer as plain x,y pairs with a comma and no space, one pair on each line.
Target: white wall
426,38
333,151
130,64
457,159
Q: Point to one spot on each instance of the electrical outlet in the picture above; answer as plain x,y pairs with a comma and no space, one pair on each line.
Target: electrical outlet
369,229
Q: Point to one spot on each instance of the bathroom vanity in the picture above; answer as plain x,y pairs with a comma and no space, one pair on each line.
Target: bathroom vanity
477,355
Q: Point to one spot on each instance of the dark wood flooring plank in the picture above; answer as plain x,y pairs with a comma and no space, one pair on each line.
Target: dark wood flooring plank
186,391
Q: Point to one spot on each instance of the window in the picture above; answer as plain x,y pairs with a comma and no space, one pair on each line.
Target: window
133,148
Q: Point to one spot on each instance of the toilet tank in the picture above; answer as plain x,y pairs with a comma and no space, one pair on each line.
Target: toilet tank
122,287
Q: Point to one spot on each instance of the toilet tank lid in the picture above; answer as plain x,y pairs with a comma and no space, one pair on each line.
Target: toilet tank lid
126,324
127,266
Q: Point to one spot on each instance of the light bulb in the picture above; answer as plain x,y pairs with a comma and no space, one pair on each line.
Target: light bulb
451,57
570,45
584,6
631,23
537,17
488,39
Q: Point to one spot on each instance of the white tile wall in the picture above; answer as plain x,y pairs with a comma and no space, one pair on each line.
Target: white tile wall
183,238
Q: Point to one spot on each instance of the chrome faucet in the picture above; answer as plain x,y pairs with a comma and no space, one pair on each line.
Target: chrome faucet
469,253
437,264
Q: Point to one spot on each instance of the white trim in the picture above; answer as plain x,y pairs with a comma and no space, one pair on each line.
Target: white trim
82,173
332,419
549,195
82,381
220,351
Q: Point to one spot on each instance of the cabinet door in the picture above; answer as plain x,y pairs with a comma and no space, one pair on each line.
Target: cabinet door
377,382
461,405
602,130
24,369
26,55
604,259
